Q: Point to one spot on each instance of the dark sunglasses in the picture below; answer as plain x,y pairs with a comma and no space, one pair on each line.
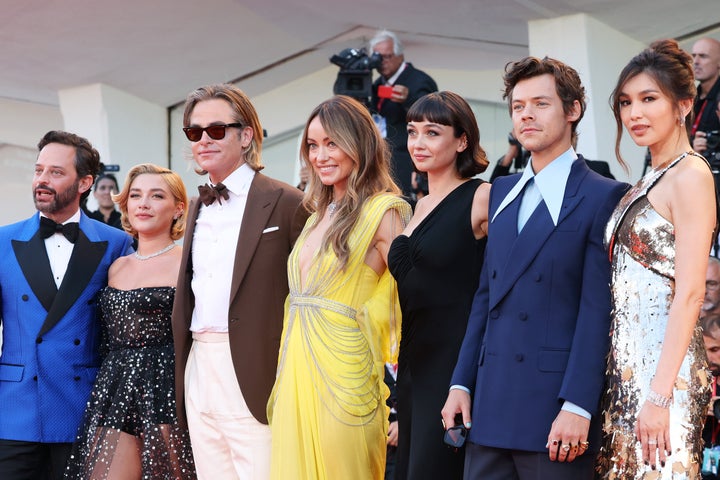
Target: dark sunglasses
216,132
455,436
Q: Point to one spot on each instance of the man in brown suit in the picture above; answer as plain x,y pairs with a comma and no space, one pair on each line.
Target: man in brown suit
228,312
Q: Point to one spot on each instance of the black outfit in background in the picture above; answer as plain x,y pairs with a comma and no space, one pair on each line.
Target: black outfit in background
711,432
437,270
709,120
392,403
113,221
419,84
600,166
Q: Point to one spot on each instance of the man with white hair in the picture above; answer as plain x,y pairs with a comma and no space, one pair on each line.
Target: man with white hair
706,61
402,85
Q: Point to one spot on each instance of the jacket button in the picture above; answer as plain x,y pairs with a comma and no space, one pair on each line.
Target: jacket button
519,357
35,378
76,341
522,316
234,319
76,378
494,273
38,340
538,277
494,314
25,298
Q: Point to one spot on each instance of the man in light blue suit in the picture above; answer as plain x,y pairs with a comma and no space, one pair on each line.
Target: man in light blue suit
532,362
52,266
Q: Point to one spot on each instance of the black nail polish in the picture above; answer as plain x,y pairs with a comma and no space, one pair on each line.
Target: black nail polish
662,464
652,466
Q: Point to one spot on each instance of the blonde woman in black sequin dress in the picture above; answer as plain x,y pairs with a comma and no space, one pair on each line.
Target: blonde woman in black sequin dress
130,429
659,240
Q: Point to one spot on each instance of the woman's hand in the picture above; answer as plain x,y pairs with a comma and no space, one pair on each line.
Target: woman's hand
653,430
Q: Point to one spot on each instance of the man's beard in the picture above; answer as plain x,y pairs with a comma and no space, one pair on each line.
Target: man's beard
60,200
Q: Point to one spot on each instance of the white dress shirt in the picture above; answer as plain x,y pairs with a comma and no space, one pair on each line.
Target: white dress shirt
215,242
59,250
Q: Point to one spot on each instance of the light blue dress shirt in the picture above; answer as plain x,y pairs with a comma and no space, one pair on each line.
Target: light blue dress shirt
548,185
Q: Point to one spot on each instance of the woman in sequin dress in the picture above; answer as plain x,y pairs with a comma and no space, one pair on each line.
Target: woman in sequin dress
327,410
436,262
129,430
659,241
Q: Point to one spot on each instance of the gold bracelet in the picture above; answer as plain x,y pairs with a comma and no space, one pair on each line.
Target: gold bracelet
659,400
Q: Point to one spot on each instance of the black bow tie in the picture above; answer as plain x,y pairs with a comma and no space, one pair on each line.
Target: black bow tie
49,227
208,193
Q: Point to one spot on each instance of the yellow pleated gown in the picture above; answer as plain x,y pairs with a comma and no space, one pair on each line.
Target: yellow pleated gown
327,409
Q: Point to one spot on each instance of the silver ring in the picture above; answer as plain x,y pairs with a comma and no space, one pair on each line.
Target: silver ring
652,442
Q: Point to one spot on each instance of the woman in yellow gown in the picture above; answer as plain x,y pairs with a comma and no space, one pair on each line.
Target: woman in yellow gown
327,409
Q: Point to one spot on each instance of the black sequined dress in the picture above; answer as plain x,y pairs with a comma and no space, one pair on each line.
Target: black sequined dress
134,391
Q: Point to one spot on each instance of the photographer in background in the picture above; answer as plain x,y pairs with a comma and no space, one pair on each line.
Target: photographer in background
393,93
711,431
516,157
704,132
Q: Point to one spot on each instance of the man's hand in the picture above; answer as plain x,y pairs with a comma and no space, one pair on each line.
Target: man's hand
458,401
393,434
568,437
700,142
400,93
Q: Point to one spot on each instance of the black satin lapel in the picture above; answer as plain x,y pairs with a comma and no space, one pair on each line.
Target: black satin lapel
84,261
35,265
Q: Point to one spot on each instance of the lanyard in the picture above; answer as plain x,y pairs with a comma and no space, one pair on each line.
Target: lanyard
716,426
696,123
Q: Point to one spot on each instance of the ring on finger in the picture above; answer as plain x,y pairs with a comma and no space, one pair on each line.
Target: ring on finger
652,442
566,447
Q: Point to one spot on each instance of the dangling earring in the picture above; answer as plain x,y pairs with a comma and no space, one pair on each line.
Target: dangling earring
682,121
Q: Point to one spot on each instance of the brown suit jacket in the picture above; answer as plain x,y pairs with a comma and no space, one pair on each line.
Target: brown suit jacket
258,292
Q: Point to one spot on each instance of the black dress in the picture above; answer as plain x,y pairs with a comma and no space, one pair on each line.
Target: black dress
437,270
134,391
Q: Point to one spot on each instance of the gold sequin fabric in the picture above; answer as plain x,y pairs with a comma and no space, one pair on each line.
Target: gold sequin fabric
642,246
134,393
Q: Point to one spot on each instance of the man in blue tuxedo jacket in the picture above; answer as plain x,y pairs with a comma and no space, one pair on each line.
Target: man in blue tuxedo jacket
533,356
50,274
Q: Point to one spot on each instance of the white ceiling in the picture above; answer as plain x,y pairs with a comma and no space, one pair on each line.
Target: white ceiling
159,50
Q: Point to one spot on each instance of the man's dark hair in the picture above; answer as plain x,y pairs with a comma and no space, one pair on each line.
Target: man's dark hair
567,83
87,159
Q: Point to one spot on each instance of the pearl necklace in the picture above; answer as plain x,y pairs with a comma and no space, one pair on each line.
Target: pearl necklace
159,252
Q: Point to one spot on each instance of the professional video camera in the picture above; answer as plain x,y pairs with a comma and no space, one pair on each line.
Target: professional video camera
355,76
713,150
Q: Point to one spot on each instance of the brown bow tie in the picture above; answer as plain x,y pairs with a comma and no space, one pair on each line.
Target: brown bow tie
209,193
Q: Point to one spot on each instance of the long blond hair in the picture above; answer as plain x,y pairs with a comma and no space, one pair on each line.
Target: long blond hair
348,123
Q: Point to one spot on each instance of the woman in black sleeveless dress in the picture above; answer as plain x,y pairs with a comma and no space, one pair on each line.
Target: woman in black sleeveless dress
130,427
436,262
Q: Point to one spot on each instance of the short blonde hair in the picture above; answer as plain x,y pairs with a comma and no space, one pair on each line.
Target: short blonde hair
177,190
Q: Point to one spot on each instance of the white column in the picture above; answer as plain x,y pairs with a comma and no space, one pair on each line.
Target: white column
598,53
125,129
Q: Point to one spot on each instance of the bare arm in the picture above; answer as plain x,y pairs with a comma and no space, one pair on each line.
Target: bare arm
390,227
479,213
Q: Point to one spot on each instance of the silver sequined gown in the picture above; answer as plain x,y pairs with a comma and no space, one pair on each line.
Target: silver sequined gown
642,246
134,391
